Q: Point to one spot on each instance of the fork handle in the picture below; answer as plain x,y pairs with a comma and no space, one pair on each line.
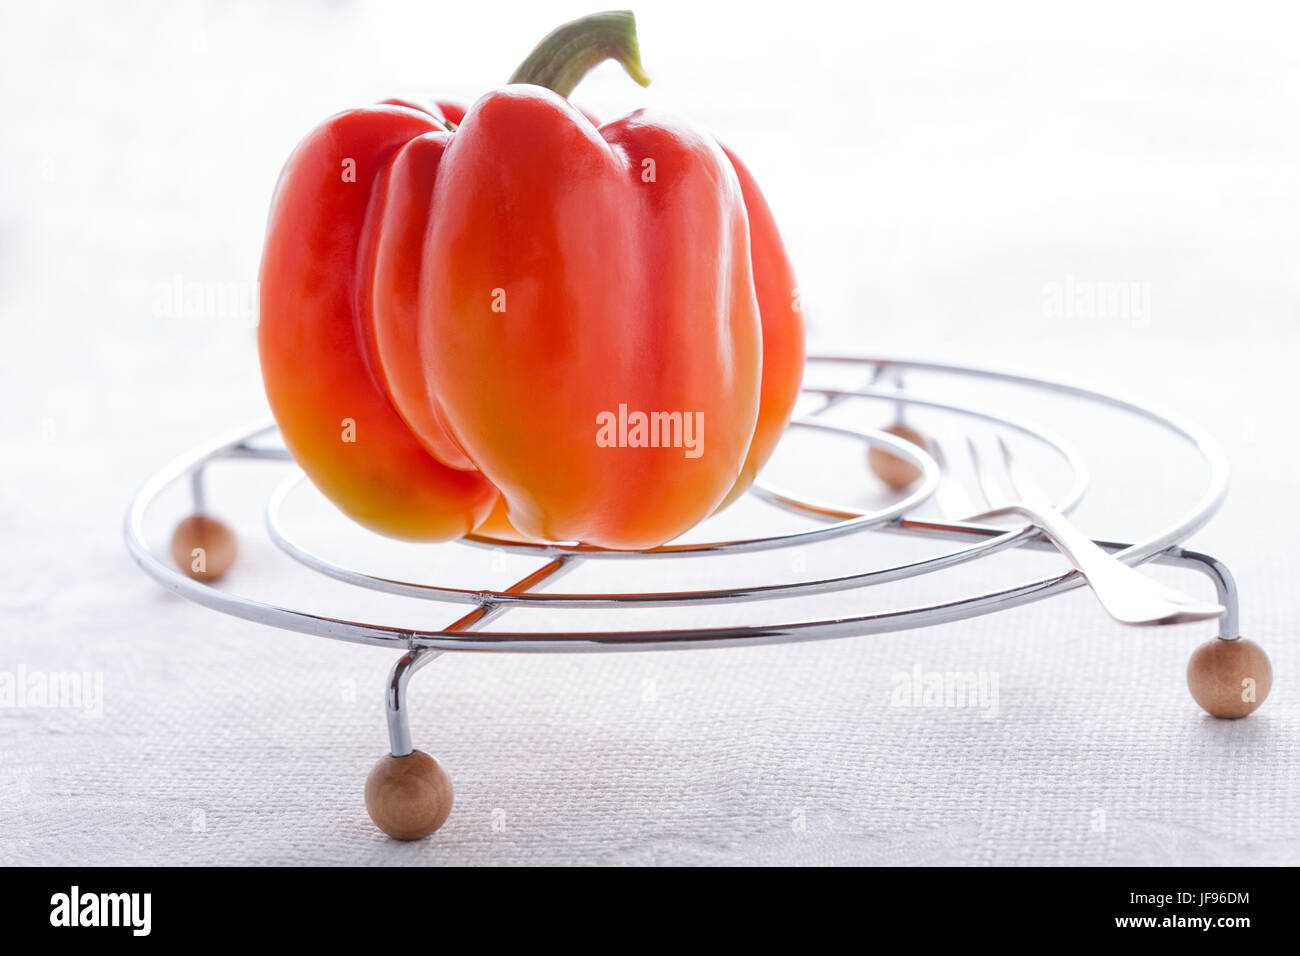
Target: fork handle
1129,596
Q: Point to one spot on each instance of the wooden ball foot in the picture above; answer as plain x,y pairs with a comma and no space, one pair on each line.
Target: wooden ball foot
408,797
896,472
203,548
1229,678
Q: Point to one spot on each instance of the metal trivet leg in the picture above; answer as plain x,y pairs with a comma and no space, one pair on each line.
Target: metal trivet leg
202,547
1228,676
408,793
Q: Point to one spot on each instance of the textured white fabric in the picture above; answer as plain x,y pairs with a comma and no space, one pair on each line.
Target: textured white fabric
980,172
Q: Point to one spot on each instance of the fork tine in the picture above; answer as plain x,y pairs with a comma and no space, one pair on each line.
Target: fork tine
991,485
950,496
1029,490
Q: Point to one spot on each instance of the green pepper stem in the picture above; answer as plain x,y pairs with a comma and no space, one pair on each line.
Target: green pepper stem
570,52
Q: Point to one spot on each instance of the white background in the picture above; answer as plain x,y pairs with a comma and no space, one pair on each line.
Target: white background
940,172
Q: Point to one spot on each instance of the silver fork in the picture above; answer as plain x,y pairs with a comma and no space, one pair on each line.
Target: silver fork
1129,596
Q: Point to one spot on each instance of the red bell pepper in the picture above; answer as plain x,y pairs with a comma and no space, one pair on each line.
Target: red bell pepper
593,329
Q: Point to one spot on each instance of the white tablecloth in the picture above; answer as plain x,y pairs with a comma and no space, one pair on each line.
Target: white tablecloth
940,191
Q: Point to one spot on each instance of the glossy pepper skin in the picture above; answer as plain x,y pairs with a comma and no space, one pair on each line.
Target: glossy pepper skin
335,418
475,302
